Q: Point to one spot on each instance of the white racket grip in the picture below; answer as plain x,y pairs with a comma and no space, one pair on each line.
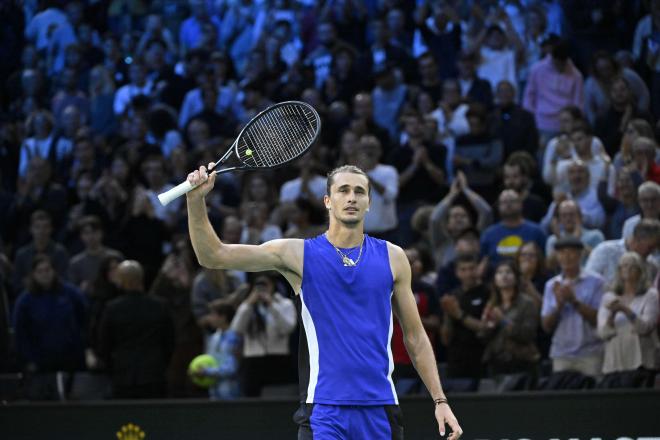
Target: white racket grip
175,192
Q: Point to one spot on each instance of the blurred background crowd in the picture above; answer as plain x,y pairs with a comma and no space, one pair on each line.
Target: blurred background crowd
511,147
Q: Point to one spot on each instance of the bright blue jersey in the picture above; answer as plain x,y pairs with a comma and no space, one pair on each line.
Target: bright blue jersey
347,319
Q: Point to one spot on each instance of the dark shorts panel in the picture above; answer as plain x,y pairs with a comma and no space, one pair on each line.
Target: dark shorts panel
344,422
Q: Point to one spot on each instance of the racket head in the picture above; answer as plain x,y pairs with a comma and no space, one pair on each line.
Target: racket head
278,135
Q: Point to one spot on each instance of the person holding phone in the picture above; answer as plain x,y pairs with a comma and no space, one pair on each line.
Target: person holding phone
265,320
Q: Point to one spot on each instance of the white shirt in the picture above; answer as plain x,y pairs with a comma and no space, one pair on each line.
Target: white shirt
126,93
280,319
630,344
382,212
497,65
597,170
43,26
604,260
292,189
629,226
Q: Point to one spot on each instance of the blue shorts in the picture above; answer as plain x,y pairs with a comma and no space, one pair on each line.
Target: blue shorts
349,422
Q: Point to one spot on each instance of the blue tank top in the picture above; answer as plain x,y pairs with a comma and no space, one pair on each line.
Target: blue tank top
347,320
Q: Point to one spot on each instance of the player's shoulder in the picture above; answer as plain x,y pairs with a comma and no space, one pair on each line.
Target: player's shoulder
396,253
285,244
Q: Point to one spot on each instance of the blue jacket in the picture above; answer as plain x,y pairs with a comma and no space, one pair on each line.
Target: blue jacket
50,327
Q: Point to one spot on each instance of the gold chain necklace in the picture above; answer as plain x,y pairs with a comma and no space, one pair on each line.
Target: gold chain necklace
348,262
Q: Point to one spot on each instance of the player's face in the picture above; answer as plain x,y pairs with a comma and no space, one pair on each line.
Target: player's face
349,198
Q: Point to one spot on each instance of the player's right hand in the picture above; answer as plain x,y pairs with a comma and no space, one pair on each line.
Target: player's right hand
203,179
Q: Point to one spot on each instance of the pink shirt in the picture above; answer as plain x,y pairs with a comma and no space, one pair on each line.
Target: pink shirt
549,90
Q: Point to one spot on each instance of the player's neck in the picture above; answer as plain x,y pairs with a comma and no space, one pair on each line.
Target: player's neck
344,237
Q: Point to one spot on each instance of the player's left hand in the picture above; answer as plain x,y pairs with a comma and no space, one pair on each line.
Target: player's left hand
444,415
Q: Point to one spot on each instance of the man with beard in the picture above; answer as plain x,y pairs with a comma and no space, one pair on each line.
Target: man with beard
503,239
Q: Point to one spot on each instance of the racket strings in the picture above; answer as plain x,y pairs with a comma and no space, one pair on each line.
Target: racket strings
278,136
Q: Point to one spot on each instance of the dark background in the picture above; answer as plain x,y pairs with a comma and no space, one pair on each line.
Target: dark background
557,415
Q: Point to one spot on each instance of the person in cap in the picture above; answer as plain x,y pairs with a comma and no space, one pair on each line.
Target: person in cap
569,312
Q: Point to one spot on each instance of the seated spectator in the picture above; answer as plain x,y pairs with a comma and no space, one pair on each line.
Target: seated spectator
38,191
648,197
502,239
599,165
604,258
163,130
363,122
509,323
321,58
560,146
568,222
406,379
212,287
461,321
610,125
570,303
604,69
224,345
265,320
533,272
310,184
453,215
645,159
136,338
84,266
586,197
306,220
478,154
517,175
627,319
139,84
515,126
472,87
41,229
429,78
533,276
635,128
257,228
381,220
623,205
467,243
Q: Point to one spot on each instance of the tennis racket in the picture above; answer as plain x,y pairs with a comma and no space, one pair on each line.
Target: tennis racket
276,136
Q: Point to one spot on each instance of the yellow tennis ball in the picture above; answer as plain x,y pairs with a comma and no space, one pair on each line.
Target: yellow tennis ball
248,152
200,362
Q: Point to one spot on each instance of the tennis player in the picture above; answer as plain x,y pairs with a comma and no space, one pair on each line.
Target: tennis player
348,284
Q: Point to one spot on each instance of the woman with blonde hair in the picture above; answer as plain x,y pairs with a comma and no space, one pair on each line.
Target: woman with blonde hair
627,319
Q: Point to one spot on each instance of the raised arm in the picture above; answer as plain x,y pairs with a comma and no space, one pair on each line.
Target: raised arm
284,256
416,341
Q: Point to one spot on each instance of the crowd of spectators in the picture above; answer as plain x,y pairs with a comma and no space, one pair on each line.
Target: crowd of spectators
511,146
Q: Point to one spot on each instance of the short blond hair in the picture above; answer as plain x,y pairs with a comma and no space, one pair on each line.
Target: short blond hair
344,169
